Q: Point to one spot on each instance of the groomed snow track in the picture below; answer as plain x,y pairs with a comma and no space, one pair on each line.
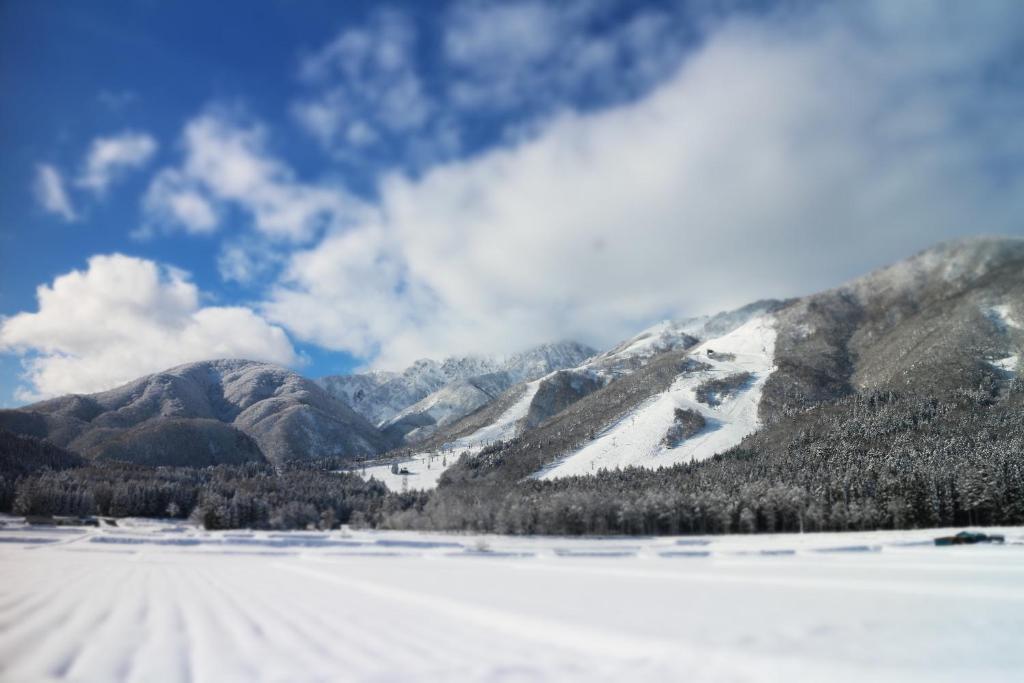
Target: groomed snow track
173,604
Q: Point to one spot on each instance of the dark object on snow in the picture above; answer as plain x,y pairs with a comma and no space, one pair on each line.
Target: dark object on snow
687,422
711,352
40,520
713,392
970,537
403,471
61,520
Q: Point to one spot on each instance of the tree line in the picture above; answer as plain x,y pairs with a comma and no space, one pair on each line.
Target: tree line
252,495
866,461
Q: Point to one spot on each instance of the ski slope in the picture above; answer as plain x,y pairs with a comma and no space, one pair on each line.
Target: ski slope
424,469
159,602
507,425
636,439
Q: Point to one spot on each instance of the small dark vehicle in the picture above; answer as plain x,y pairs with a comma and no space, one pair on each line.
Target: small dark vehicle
969,538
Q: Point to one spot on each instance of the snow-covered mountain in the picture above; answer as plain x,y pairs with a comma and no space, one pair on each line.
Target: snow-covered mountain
413,404
380,395
210,412
528,404
947,318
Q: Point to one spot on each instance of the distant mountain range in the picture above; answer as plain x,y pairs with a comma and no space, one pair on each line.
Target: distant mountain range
221,411
952,316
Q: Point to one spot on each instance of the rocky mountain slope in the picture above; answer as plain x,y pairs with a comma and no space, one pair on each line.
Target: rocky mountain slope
379,395
223,411
945,318
429,395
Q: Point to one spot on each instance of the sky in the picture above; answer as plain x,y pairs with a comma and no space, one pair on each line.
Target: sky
339,186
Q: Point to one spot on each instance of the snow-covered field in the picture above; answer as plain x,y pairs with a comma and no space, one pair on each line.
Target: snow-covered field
158,602
636,439
424,469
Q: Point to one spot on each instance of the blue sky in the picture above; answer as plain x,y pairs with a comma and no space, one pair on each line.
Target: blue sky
336,185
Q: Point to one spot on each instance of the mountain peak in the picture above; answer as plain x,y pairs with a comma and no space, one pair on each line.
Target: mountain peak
206,412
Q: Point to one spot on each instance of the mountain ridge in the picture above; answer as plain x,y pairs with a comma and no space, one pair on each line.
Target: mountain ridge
946,317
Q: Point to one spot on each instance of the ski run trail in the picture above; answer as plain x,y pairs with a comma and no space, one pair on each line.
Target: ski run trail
151,601
424,469
635,439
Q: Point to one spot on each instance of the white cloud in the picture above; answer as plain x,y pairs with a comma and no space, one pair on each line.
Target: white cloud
109,157
124,317
248,260
49,190
226,162
373,101
365,85
783,157
542,55
174,201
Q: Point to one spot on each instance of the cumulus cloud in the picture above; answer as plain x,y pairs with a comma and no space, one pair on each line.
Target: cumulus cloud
50,193
123,317
226,163
782,157
109,157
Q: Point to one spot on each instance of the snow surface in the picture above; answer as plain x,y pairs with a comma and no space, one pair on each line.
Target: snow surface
1003,316
506,426
636,439
669,335
163,602
425,468
1008,364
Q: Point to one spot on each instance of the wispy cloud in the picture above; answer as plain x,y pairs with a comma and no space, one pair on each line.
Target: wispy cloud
542,56
365,91
51,194
109,157
226,162
373,98
116,100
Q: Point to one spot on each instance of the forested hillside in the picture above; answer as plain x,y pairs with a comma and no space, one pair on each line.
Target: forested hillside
874,461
